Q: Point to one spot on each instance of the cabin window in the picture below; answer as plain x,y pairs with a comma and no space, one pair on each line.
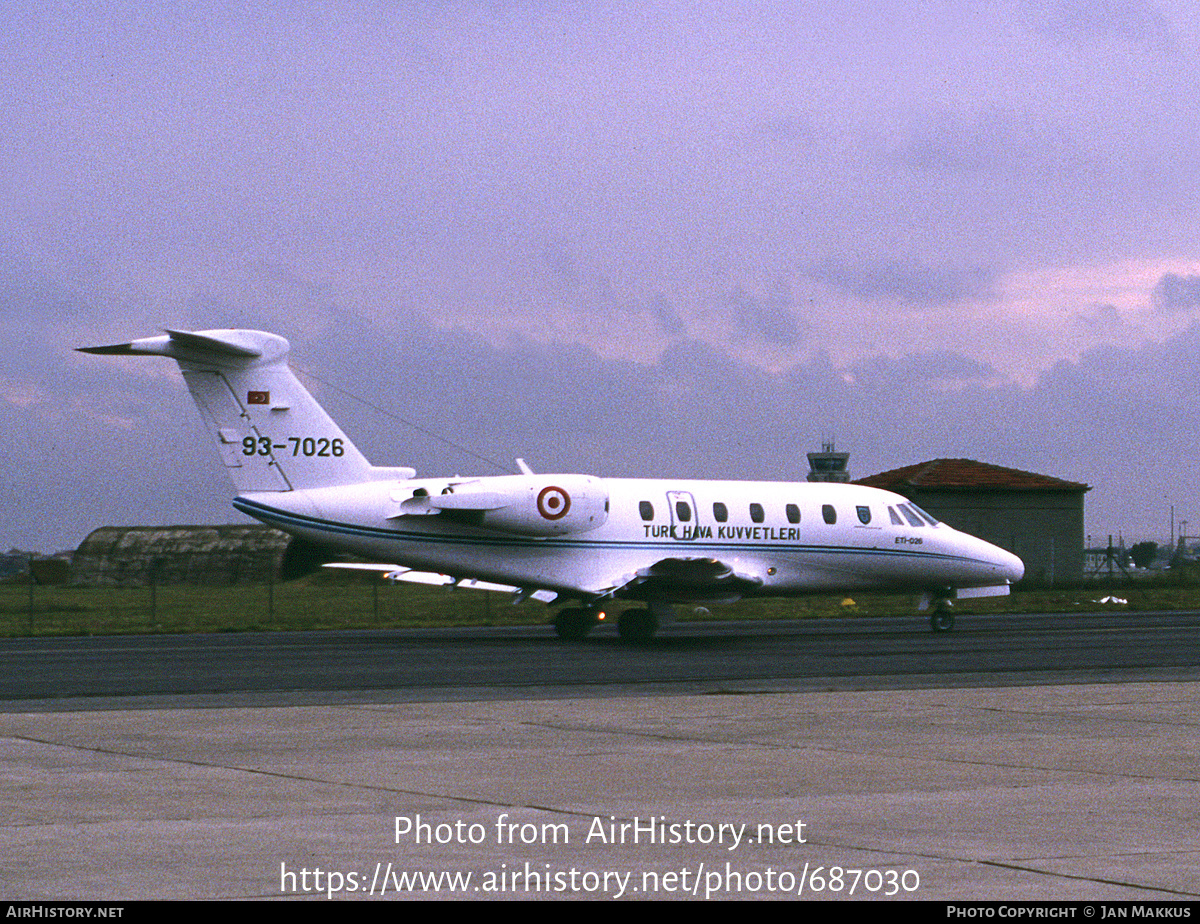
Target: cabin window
896,521
720,512
646,509
793,513
829,513
683,512
756,513
864,515
913,519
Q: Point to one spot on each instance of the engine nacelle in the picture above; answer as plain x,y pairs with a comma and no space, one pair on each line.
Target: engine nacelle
552,505
528,505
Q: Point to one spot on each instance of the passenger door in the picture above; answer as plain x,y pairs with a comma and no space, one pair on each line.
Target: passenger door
683,514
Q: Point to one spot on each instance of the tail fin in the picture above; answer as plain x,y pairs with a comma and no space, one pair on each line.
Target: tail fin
272,434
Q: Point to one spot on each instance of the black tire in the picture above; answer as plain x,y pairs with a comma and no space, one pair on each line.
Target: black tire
941,621
573,624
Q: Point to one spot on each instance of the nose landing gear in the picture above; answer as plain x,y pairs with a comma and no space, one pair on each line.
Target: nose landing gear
941,619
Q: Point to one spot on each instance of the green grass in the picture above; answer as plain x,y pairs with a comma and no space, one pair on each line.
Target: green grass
296,605
359,602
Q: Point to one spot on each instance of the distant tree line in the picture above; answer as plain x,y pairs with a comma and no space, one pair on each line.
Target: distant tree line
1143,553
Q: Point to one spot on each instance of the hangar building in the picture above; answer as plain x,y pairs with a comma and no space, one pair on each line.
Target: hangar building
211,555
1037,517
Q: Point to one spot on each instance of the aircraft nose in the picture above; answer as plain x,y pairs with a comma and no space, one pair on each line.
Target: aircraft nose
1013,567
999,564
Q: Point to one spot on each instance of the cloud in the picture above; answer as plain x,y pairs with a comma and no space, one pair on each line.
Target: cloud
1176,293
940,369
37,296
99,445
666,317
1102,320
949,144
769,318
910,282
1134,23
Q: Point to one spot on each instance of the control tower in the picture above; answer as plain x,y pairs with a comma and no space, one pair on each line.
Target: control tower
829,464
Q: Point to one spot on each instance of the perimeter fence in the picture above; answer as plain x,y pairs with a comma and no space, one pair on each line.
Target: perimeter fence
32,609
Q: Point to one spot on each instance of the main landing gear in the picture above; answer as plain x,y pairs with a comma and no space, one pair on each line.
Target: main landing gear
573,623
637,625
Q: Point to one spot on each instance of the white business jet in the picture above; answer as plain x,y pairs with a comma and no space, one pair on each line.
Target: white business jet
589,542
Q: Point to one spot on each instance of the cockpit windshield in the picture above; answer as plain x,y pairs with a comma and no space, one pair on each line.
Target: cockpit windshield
931,520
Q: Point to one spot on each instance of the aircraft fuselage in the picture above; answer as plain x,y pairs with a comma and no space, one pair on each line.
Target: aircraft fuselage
776,536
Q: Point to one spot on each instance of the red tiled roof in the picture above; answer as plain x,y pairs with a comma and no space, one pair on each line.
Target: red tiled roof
964,475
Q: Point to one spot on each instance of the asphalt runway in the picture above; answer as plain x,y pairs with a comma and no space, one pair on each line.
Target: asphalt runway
1030,757
422,664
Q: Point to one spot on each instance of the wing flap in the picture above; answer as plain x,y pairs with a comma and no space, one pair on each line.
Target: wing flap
433,579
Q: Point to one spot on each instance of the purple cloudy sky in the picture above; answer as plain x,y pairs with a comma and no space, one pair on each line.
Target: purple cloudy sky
629,239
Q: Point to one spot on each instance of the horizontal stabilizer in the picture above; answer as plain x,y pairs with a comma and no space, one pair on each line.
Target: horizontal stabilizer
179,344
117,349
228,344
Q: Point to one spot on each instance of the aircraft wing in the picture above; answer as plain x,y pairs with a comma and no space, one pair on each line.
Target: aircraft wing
409,576
690,579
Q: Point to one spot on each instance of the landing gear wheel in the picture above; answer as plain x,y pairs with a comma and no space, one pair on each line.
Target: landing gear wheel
637,625
941,620
573,624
